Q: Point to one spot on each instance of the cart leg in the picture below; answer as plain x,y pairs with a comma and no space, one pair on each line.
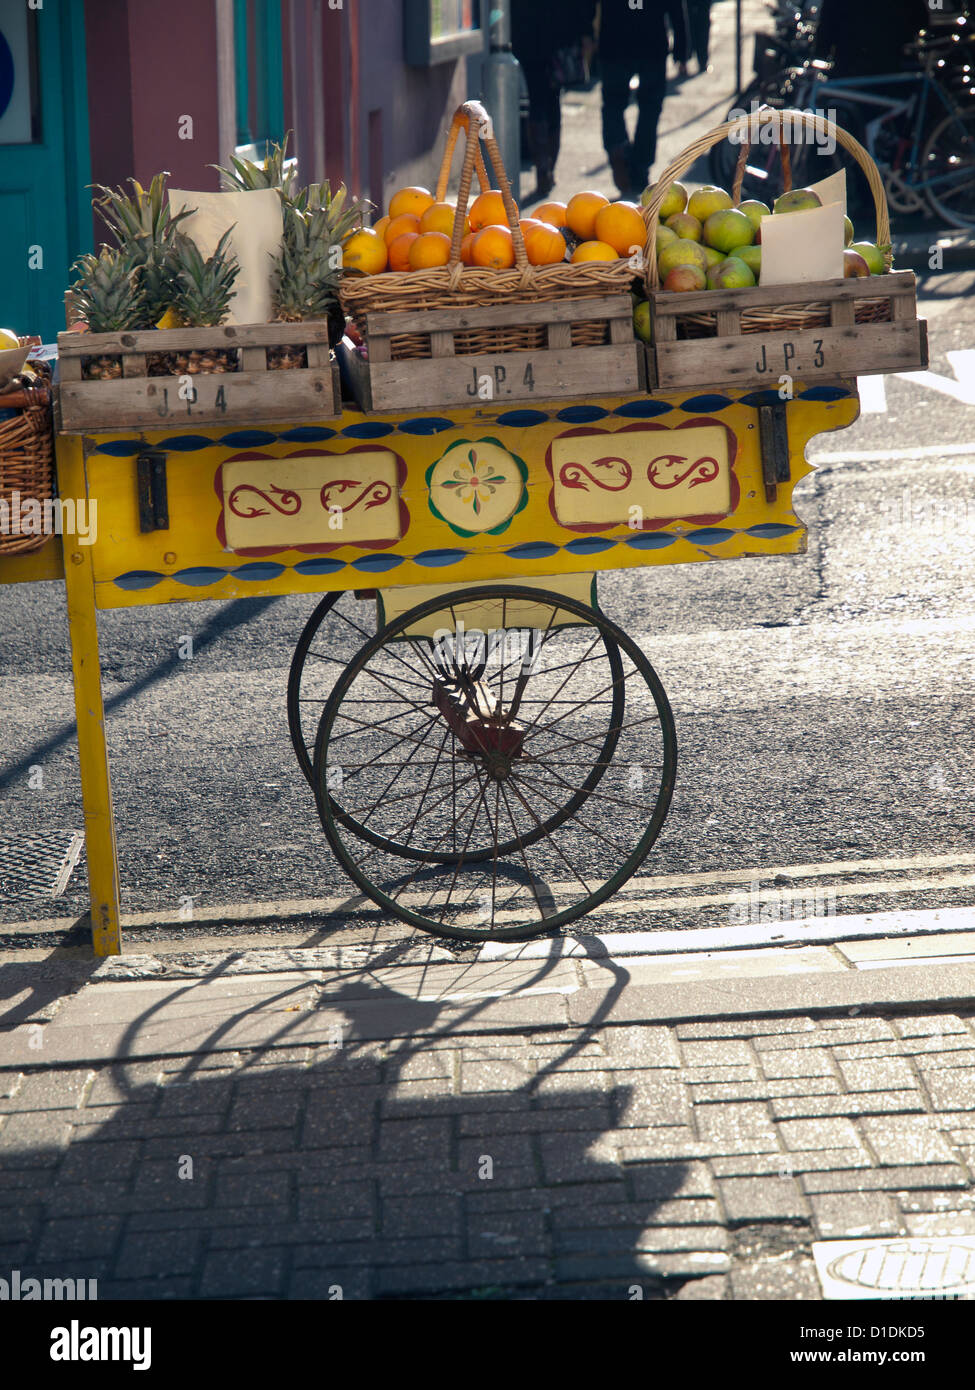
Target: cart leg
96,787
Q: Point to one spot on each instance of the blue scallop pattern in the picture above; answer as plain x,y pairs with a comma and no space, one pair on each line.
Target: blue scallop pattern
823,393
757,398
369,429
589,545
533,550
185,443
710,535
138,579
581,414
121,448
651,540
694,404
376,564
521,419
308,434
429,424
770,530
199,576
258,571
643,410
435,559
319,566
247,439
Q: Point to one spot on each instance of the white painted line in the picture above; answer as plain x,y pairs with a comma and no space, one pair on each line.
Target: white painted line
961,387
921,451
913,960
895,1268
873,395
752,935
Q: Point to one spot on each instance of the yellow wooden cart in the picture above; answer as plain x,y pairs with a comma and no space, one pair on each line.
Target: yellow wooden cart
490,755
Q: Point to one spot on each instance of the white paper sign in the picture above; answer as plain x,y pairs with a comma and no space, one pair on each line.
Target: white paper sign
831,189
255,216
798,247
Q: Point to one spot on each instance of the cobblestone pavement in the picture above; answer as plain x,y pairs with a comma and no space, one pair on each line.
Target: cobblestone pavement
472,1160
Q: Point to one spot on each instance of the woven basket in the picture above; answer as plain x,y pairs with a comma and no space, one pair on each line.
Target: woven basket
788,316
456,286
26,456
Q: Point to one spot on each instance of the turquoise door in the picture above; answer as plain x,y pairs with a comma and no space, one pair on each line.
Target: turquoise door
45,217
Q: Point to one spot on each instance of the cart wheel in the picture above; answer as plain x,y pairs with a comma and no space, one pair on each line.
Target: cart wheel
562,764
314,670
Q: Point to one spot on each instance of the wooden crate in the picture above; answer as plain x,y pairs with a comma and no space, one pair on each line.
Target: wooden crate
249,395
734,351
448,376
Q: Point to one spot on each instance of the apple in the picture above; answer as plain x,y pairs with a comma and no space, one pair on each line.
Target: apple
731,274
664,235
675,199
681,252
728,229
797,201
685,225
752,256
8,339
641,321
713,257
854,264
686,277
873,256
755,211
847,231
707,200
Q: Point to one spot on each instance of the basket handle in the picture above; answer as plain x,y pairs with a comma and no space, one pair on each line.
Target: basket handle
476,122
739,179
750,126
460,122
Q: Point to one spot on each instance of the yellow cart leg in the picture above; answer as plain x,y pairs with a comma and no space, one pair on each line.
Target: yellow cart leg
96,787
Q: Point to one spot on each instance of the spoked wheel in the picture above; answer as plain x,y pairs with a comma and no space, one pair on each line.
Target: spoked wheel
517,743
324,649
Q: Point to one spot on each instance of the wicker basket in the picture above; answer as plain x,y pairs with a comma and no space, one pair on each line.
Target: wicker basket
26,458
456,286
785,317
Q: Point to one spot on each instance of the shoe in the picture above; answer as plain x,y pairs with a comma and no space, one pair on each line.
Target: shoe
619,162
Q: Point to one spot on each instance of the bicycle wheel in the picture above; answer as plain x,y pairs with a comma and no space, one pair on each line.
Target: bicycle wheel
564,770
948,169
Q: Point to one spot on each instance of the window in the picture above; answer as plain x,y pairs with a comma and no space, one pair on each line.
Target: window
259,72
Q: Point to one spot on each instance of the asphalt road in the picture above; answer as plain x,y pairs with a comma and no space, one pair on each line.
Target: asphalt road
823,703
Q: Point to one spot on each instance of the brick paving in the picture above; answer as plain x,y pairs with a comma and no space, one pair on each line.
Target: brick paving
692,1161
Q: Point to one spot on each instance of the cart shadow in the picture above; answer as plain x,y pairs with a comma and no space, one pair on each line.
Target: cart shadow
458,1159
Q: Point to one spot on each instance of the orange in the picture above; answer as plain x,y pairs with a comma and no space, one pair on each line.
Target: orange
580,213
415,200
381,226
366,251
429,249
551,212
406,222
594,251
545,245
399,251
439,217
621,226
487,210
492,246
467,248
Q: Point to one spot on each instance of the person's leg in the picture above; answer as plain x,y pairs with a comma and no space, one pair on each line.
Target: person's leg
616,96
653,77
540,91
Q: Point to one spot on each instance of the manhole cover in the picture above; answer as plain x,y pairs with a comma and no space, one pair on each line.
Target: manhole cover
38,865
936,1268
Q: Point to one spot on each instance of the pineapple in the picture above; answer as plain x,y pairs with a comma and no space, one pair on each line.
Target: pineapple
109,295
306,271
200,294
245,175
145,229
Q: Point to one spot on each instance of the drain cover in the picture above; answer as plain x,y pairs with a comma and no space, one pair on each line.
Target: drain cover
38,865
936,1268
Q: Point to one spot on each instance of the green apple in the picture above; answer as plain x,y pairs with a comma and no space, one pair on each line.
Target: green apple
872,254
685,226
664,235
675,199
755,211
847,231
752,256
681,252
686,277
707,200
714,257
641,321
731,274
728,229
797,201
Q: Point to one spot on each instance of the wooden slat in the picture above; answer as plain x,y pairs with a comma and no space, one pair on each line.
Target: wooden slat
813,354
758,296
842,313
547,311
442,344
254,359
611,370
620,330
728,323
664,329
560,334
152,403
69,368
186,339
318,355
379,350
133,364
